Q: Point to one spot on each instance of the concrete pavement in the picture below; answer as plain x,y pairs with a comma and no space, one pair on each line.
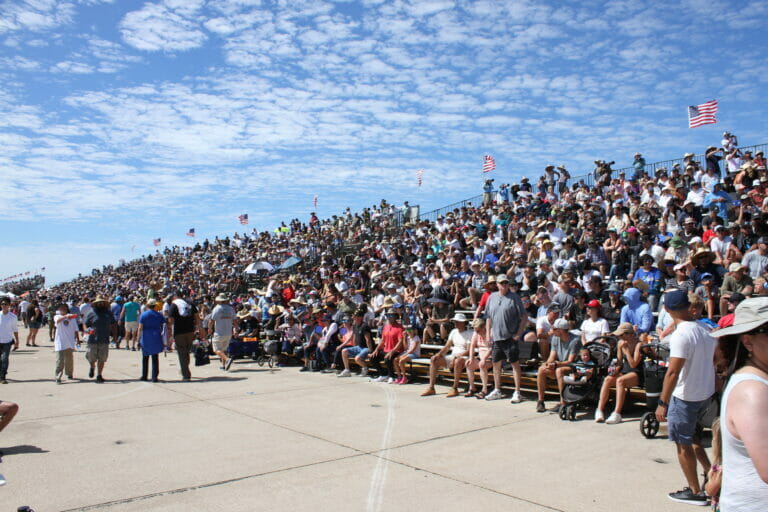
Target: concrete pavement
254,439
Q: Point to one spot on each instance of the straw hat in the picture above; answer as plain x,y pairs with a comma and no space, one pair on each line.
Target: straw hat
221,298
100,298
275,310
701,252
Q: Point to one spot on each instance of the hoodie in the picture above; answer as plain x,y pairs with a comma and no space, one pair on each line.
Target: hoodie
636,312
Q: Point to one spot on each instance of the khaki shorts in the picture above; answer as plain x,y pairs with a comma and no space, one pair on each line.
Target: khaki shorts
220,343
131,327
97,352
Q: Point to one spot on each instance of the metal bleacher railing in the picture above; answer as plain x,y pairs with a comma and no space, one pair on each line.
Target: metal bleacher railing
588,179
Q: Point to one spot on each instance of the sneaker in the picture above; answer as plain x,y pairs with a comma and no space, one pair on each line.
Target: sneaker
556,409
345,373
688,496
429,392
540,406
328,370
58,380
91,372
383,378
613,419
599,416
304,369
228,364
516,398
364,372
99,379
390,380
494,395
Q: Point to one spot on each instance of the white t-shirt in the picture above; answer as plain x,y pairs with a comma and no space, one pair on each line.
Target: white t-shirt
8,326
691,341
460,341
594,329
65,333
543,323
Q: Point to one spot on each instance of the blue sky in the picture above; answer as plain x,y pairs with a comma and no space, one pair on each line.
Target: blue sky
125,121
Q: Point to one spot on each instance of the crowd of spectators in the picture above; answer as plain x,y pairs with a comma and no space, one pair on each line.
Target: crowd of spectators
20,286
377,287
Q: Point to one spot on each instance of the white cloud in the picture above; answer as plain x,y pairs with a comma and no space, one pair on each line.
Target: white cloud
169,26
34,15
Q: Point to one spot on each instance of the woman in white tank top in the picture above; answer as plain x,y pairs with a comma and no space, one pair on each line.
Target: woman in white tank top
744,413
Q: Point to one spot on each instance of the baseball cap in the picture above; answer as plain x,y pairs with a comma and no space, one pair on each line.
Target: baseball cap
593,303
554,307
676,300
749,315
736,298
502,278
735,267
706,275
561,323
624,328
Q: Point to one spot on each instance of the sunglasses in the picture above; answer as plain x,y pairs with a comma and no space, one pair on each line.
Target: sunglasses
763,329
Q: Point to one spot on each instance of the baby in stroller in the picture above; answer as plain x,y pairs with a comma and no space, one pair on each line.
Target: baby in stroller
580,381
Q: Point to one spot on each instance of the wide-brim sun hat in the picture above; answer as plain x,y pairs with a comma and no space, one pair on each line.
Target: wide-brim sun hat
221,298
459,317
749,315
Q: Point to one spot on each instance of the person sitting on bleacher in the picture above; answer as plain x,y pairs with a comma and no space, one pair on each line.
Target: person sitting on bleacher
564,348
458,343
391,345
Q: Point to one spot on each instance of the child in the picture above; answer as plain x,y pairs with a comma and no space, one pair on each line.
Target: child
413,351
715,476
65,342
583,369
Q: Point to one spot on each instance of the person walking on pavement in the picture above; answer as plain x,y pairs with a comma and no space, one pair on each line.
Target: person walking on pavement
223,318
506,320
182,325
65,341
688,389
9,337
100,322
150,336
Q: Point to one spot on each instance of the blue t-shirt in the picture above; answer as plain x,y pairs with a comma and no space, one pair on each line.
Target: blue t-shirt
152,332
116,308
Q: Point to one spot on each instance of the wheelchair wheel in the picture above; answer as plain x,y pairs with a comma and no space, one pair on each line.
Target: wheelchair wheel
571,413
564,412
261,360
649,425
271,361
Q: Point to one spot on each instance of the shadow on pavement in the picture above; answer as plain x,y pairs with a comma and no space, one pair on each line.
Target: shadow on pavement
22,448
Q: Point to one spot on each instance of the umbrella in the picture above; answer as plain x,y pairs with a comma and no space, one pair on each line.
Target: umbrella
290,262
255,267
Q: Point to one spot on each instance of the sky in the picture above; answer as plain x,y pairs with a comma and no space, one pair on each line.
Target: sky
126,121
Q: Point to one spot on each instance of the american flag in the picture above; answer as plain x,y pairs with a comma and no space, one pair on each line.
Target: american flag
314,201
489,163
243,218
191,232
419,176
702,114
156,242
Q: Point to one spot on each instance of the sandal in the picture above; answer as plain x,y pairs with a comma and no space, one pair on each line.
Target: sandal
480,395
469,394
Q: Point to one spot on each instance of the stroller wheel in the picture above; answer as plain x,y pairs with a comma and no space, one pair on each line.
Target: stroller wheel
271,361
649,425
564,412
571,413
261,361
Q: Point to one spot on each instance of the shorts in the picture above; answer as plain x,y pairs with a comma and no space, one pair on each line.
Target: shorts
220,343
131,327
35,325
684,420
97,352
360,352
411,356
505,350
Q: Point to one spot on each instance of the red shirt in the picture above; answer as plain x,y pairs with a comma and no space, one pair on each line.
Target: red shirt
288,294
391,336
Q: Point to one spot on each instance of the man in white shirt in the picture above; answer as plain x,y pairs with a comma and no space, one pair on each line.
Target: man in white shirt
9,336
688,389
23,305
696,194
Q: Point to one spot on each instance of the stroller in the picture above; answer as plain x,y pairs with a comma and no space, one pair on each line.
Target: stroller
654,371
580,392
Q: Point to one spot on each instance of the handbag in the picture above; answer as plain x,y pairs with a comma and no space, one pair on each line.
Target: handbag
201,354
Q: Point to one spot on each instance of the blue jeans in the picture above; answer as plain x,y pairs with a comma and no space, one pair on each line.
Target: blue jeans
618,272
5,351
